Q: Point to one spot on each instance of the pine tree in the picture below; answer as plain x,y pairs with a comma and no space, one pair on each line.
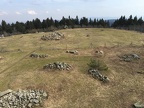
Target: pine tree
63,21
77,21
37,23
44,24
130,20
4,25
0,29
90,22
135,20
20,27
9,28
29,25
56,23
84,21
94,22
51,22
140,21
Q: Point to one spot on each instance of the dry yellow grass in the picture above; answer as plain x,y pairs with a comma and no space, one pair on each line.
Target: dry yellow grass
76,89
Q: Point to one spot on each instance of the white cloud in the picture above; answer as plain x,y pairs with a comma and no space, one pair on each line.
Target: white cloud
58,10
47,12
3,13
31,12
18,13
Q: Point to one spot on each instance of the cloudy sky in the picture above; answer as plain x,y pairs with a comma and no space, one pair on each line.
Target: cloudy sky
23,10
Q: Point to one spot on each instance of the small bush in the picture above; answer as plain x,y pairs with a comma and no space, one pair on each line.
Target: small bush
97,64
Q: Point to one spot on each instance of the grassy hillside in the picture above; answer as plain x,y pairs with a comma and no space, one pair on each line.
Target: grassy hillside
76,89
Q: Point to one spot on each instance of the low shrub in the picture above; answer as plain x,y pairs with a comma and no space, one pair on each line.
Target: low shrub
97,64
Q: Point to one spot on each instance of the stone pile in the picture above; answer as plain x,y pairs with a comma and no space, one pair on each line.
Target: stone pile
53,36
72,52
129,57
57,66
97,75
22,98
35,55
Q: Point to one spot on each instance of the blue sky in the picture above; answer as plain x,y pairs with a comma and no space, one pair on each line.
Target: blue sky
23,10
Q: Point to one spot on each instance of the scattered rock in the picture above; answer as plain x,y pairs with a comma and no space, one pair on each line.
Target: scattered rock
72,52
97,75
22,98
129,57
35,55
99,52
57,66
53,36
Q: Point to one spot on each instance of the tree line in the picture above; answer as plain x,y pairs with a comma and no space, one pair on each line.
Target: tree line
36,25
131,23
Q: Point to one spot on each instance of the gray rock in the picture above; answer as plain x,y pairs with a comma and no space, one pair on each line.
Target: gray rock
99,52
139,105
135,56
5,92
45,95
30,105
35,55
129,57
72,52
97,75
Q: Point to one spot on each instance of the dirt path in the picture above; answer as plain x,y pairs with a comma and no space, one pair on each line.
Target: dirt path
16,62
